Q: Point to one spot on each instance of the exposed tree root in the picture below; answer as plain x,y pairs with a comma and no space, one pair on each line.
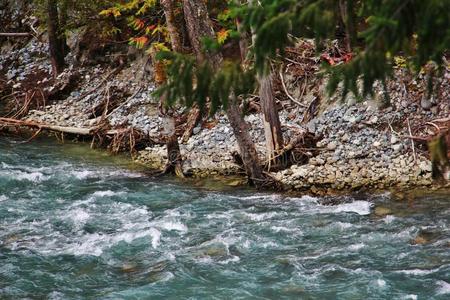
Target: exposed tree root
115,140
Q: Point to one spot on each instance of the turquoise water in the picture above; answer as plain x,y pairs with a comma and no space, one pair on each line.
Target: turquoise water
77,224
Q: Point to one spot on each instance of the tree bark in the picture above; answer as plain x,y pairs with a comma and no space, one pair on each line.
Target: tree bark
199,26
171,23
174,159
62,27
15,34
54,42
271,119
246,145
269,112
192,121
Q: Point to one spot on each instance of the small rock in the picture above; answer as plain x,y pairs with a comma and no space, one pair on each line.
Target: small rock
332,146
425,166
345,138
373,120
394,139
425,103
311,126
397,147
381,211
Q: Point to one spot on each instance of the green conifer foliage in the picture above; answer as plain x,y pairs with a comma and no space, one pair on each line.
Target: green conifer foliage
191,83
416,29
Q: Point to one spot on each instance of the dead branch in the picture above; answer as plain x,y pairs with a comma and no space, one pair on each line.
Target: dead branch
10,122
15,34
443,120
287,93
412,142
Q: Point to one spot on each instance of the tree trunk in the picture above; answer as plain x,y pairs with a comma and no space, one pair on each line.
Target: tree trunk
174,158
54,43
271,120
199,26
243,42
270,117
347,14
171,23
246,146
194,117
62,27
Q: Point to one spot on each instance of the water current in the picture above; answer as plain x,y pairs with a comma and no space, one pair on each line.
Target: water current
78,224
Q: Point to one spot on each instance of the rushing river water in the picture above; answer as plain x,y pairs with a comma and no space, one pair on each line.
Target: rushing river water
76,224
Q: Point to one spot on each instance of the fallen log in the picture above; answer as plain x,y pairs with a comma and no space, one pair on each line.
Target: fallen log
15,34
9,122
115,140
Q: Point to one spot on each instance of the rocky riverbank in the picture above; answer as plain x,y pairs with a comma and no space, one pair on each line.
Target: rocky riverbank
361,146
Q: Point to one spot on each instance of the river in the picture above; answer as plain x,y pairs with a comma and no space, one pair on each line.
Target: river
78,224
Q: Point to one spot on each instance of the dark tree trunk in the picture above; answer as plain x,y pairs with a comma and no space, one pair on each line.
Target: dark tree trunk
271,120
246,146
199,26
54,42
62,27
174,159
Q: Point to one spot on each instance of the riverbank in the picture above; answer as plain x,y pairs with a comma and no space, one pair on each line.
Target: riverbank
361,146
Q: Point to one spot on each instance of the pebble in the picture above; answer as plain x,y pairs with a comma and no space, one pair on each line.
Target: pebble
332,146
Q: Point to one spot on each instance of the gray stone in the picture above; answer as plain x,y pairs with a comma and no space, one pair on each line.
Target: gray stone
394,139
196,130
425,166
311,126
220,137
345,138
373,120
397,147
332,146
425,103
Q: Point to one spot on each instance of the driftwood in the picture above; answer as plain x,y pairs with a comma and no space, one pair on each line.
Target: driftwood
115,140
15,34
295,151
9,122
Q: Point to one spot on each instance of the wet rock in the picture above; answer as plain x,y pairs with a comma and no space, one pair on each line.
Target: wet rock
381,211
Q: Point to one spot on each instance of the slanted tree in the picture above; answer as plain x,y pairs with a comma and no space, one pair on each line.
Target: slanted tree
199,27
174,158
